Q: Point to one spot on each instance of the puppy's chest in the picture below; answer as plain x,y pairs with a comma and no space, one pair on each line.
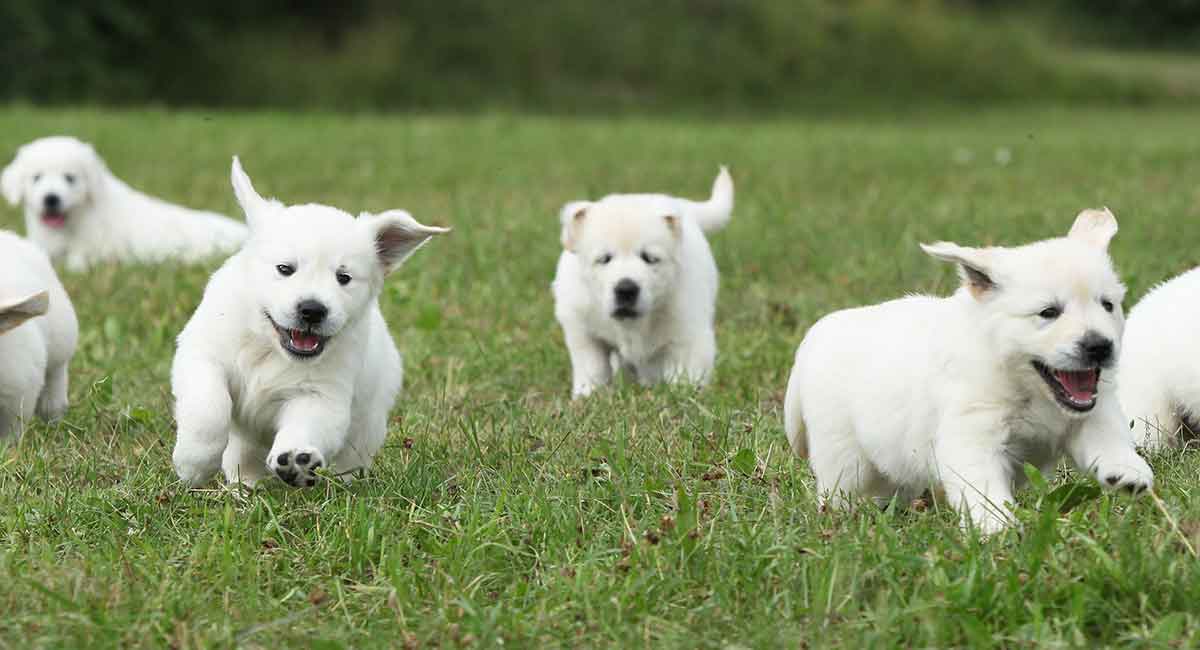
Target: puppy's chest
262,385
1029,440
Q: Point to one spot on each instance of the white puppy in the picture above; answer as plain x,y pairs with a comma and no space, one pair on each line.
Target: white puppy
38,332
957,393
81,214
1159,385
636,286
287,365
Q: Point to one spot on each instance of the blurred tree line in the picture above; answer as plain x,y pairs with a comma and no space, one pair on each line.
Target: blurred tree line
571,54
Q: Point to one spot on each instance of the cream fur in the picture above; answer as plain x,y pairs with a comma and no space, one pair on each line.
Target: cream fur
105,220
925,392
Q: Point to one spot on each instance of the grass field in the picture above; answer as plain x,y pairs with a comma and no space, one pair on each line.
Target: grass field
500,511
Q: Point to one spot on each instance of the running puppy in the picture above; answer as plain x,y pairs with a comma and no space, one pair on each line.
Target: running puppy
636,286
287,365
38,333
958,393
1159,385
82,215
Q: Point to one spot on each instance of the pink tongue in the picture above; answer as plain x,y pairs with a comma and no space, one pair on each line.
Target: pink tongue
306,342
1080,385
54,220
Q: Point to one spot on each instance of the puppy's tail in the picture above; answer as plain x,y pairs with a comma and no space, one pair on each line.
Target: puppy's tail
793,412
714,213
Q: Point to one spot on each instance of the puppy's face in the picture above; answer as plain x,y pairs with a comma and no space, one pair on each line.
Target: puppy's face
629,253
54,178
1052,309
314,270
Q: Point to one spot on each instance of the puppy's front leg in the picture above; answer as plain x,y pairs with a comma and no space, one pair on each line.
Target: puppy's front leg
590,367
973,470
202,412
1104,448
692,362
312,429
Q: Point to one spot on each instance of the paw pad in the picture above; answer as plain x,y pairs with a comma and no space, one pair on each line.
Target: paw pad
296,467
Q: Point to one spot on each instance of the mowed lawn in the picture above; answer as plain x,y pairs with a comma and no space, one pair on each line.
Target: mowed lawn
502,512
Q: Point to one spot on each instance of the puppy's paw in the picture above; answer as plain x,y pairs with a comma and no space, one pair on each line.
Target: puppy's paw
51,408
1129,474
296,467
195,468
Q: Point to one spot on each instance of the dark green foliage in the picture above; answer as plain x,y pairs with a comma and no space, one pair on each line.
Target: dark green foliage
701,55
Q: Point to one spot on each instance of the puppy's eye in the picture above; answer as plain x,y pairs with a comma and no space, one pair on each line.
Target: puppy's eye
37,177
650,259
1051,312
70,178
285,269
1106,304
343,278
604,259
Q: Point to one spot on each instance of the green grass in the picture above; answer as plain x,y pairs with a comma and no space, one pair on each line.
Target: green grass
500,510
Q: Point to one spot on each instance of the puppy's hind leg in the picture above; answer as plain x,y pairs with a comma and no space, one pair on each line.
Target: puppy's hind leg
52,403
244,461
844,474
1150,416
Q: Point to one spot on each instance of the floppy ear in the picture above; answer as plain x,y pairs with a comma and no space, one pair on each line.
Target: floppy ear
94,170
255,206
1094,227
14,313
973,265
397,235
12,180
673,224
571,216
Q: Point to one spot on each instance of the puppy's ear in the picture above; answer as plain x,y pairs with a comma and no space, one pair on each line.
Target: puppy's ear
397,235
672,224
14,313
255,206
12,181
973,265
94,170
1094,227
572,216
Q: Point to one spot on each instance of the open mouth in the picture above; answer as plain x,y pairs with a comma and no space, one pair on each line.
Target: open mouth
625,313
1075,390
300,343
54,218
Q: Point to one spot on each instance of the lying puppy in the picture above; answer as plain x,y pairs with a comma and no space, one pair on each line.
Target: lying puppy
38,332
287,365
958,393
636,286
81,214
1159,385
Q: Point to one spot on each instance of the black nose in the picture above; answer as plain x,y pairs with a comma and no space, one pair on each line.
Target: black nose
52,202
311,311
1096,349
626,292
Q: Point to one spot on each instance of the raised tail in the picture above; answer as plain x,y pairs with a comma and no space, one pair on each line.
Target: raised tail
714,213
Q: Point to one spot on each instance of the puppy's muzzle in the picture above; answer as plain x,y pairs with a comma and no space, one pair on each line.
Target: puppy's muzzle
1096,350
625,296
312,312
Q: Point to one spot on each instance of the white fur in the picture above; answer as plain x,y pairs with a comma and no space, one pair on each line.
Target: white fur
38,333
1160,365
941,393
657,242
105,219
246,405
